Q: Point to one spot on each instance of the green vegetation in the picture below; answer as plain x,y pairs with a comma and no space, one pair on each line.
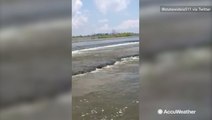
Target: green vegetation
108,35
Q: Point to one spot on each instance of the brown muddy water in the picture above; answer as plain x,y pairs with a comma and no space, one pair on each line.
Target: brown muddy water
105,81
109,93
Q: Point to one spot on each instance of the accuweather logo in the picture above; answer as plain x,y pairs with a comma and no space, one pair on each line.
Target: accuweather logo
173,112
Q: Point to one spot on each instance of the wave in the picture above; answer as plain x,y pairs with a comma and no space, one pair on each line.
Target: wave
111,66
102,47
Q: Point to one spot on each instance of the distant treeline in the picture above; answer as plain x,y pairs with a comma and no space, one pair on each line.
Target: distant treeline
108,35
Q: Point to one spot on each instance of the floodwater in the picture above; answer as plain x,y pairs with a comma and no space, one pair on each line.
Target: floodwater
110,93
98,43
108,90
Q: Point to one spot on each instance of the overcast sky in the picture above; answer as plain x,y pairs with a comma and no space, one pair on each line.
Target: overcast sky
101,16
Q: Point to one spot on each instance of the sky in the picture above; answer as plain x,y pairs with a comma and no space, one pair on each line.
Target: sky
104,16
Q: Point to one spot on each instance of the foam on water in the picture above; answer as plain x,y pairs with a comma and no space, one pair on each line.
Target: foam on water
103,47
122,61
